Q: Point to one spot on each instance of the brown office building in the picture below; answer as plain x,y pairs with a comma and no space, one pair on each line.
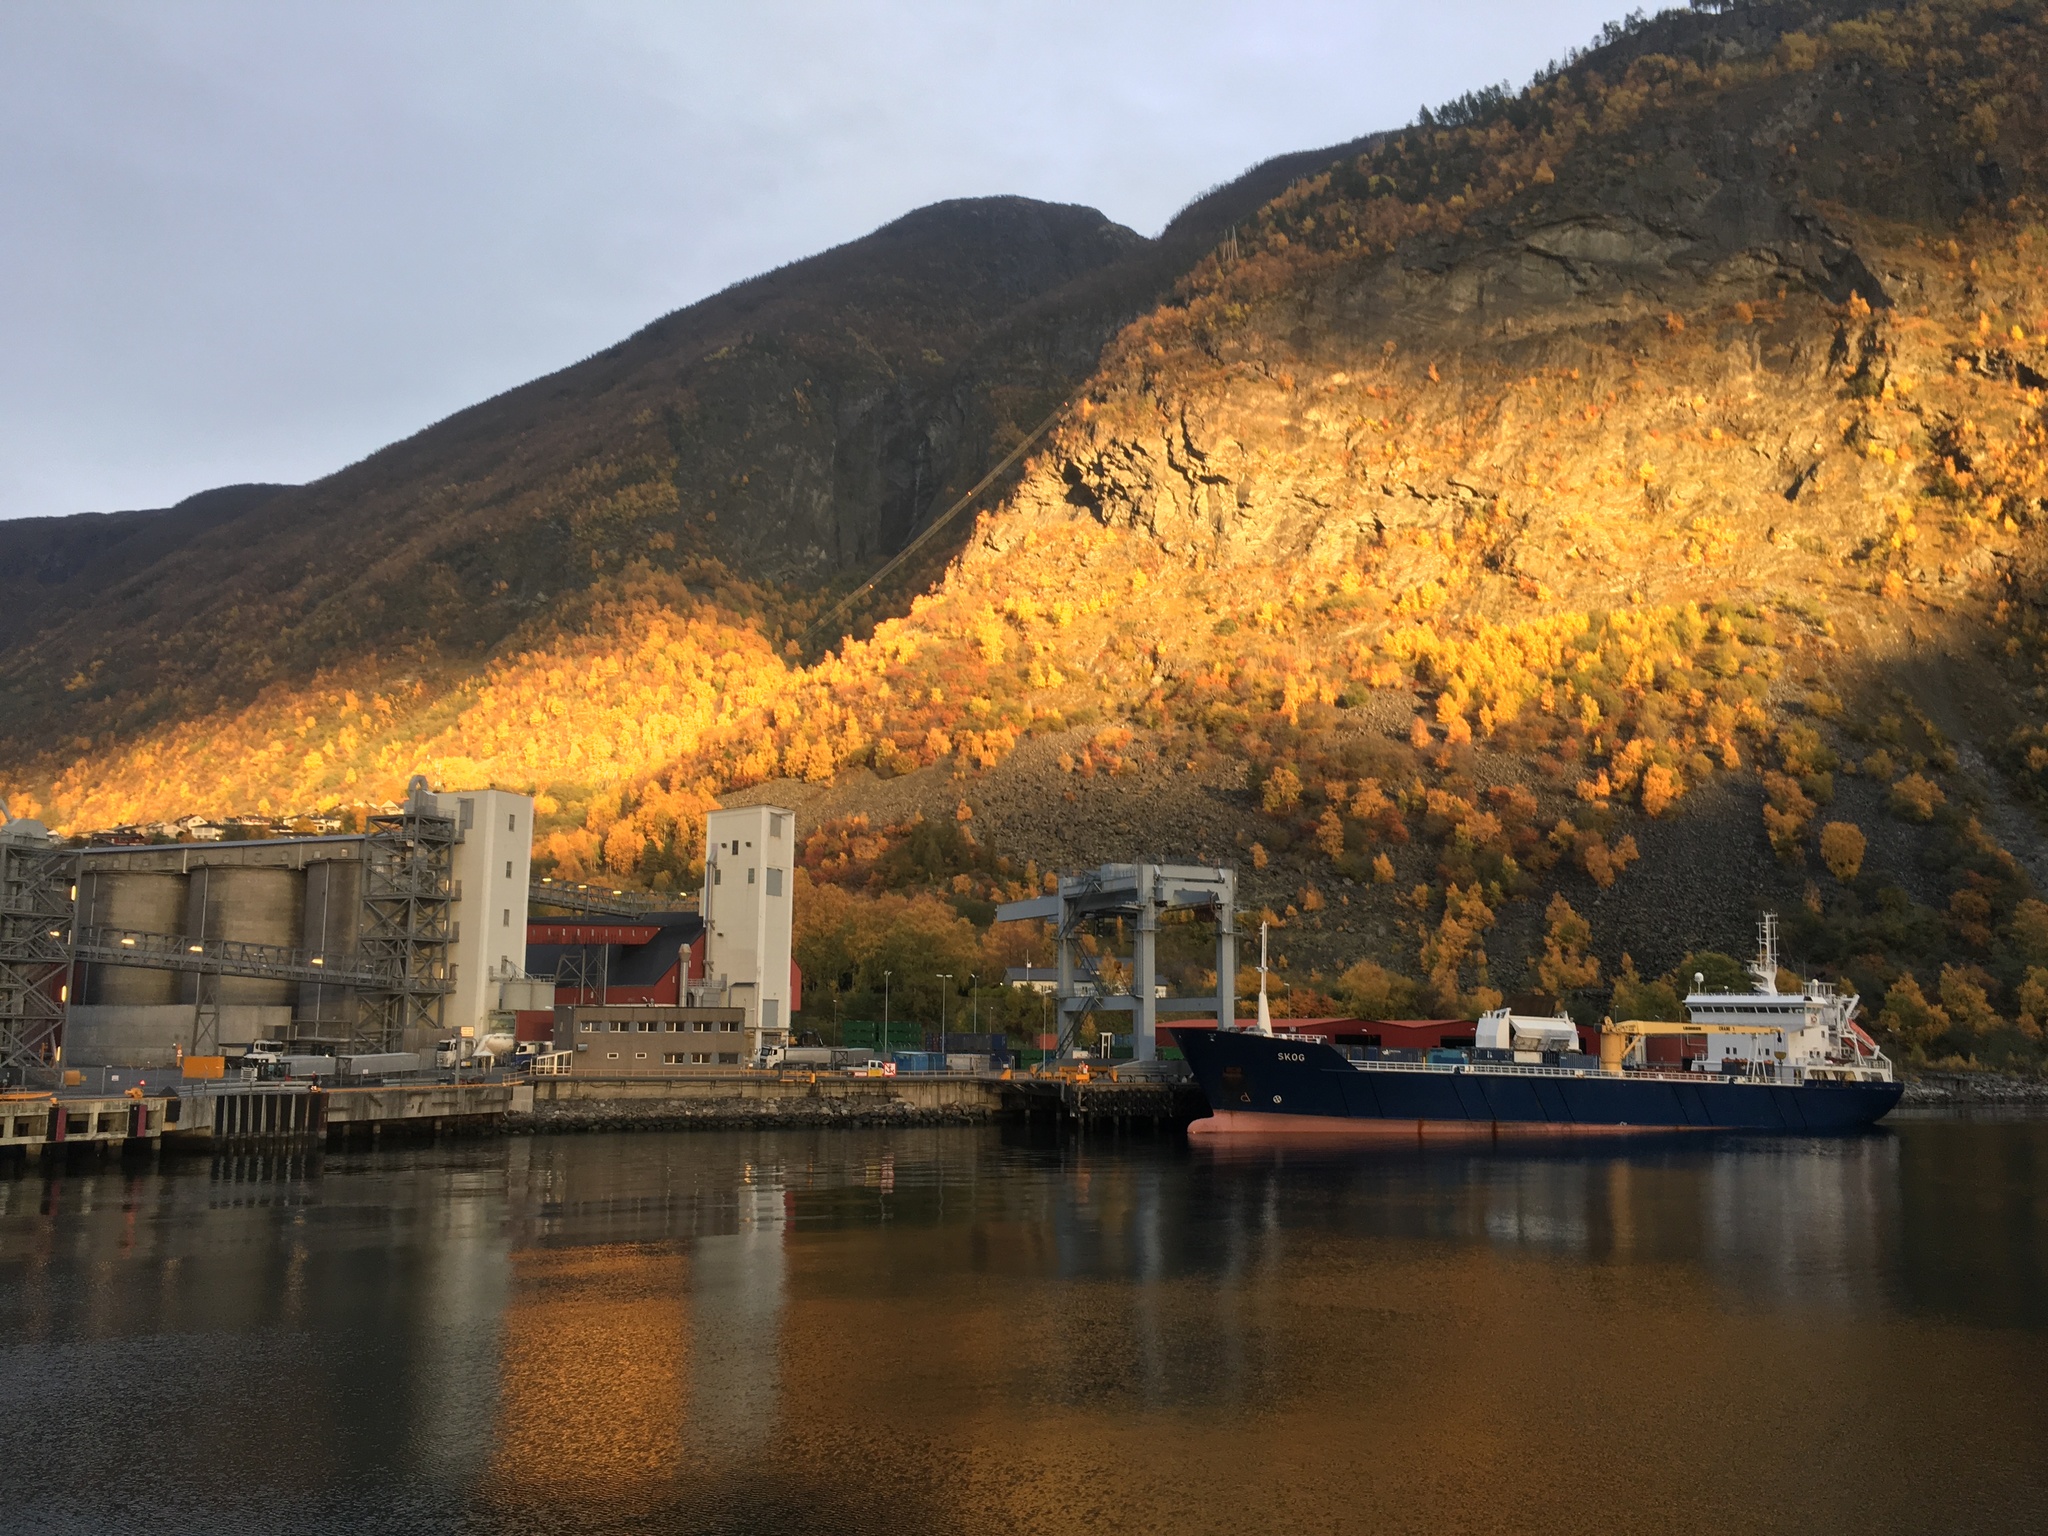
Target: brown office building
653,1039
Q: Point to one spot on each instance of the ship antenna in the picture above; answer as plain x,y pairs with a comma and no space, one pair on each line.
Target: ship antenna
1764,969
1265,1024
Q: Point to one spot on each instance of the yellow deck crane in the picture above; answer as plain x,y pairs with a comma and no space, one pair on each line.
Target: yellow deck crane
1617,1040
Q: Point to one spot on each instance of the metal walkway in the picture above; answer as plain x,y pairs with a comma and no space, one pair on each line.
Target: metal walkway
595,901
234,957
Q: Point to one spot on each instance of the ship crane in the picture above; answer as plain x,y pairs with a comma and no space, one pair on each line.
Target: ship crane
1617,1040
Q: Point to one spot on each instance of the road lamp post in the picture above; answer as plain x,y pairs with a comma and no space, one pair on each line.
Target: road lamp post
885,1013
943,976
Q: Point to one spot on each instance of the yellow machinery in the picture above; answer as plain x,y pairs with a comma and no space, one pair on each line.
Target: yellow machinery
1617,1040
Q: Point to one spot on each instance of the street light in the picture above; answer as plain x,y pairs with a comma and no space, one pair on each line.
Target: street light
885,1013
943,976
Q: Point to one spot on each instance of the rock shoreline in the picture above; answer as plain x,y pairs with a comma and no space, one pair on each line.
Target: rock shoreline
737,1115
1928,1088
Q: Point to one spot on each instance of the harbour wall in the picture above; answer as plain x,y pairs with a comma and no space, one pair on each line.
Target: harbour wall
721,1100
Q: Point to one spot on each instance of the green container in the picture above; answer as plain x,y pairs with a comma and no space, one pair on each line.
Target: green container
866,1034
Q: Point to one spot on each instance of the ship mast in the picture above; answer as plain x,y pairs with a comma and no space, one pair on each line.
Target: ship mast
1763,969
1265,1024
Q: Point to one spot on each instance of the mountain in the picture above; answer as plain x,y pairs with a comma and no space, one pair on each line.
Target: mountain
1615,503
51,566
795,427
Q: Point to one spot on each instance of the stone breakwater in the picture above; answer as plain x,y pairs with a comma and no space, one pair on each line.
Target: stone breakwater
741,1114
1932,1088
724,1101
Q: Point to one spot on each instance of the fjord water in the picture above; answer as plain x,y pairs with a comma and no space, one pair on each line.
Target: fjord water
981,1330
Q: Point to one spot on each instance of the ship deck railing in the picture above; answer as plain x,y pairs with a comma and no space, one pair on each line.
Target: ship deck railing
1788,1077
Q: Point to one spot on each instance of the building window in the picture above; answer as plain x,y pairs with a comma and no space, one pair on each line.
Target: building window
611,1055
508,869
700,1058
717,875
771,1013
512,823
774,882
730,1026
639,1055
750,874
728,1058
775,825
508,917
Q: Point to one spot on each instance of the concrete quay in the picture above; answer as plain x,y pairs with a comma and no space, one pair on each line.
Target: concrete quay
240,1117
250,1117
726,1100
714,1100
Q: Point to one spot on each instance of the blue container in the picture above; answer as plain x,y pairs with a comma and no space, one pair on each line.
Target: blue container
1443,1056
919,1061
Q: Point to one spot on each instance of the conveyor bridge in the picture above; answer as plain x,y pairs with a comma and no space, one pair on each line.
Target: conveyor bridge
235,957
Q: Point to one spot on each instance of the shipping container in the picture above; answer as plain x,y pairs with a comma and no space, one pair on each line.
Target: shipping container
980,1044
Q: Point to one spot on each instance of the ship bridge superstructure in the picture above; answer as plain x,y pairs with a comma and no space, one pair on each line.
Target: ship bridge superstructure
1809,1032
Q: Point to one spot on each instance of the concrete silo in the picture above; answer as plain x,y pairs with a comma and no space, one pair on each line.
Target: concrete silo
250,905
135,901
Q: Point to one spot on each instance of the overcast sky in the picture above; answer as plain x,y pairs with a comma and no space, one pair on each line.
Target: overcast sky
257,239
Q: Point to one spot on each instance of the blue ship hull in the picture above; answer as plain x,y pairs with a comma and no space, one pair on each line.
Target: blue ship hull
1270,1083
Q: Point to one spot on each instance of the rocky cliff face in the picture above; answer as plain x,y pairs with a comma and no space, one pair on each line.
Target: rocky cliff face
1690,324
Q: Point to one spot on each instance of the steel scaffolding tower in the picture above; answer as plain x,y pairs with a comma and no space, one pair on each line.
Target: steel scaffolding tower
408,889
38,894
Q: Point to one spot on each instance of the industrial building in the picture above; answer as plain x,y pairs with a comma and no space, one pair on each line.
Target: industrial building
727,964
413,931
646,1040
390,939
646,958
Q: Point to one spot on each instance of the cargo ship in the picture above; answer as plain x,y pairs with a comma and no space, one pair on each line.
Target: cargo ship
1762,1060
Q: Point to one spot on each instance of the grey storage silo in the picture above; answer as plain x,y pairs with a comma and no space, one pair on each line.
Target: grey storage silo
333,922
136,901
249,906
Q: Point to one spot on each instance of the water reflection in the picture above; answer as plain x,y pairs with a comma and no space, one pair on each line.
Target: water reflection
950,1330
